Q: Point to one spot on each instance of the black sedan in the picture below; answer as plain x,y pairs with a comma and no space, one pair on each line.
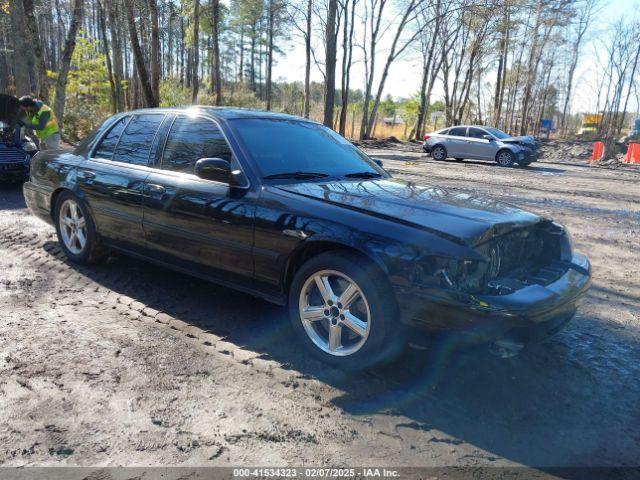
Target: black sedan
286,209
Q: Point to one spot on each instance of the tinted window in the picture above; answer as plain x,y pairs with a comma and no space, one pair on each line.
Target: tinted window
158,142
108,144
136,140
191,139
458,131
444,132
284,146
476,133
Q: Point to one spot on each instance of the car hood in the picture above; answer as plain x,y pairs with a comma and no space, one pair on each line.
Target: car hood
465,218
529,140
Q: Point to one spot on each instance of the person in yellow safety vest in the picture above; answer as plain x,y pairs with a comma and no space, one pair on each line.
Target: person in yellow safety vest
42,121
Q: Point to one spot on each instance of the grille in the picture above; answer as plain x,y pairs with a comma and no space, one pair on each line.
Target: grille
11,155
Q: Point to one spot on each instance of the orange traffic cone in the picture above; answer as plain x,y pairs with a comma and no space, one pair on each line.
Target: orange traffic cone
598,152
633,153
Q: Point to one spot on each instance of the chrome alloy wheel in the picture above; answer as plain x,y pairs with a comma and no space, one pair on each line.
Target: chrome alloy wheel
505,159
334,313
73,227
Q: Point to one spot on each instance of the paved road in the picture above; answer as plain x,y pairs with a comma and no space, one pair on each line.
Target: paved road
127,363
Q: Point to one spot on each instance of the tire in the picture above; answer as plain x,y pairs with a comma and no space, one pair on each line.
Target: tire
439,153
73,224
459,159
352,336
505,158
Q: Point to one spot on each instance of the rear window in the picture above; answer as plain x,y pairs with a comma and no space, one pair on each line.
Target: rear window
458,131
444,132
136,140
108,144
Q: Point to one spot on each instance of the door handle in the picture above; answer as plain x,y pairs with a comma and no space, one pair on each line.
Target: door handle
155,191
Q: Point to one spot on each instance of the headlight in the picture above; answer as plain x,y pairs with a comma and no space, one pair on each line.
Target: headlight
495,261
461,274
29,147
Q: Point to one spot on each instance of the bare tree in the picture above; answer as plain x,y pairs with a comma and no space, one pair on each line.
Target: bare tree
330,62
196,51
42,84
155,51
580,27
216,77
149,97
65,61
347,60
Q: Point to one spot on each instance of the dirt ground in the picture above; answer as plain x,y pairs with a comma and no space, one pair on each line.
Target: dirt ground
130,364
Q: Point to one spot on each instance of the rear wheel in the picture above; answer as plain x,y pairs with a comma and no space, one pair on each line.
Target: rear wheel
342,313
505,158
76,231
439,153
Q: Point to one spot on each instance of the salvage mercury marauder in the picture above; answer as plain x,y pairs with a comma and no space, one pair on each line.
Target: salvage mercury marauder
286,209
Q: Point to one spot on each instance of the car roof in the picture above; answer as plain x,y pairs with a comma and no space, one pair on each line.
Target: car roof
226,113
465,126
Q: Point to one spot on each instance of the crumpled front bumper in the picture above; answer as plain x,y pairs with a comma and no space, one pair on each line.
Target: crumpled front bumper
529,314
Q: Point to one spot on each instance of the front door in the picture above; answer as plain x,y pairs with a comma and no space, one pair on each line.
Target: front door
201,225
112,178
479,147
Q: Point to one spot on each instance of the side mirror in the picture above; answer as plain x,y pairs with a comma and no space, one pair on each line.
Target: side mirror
488,137
378,162
215,169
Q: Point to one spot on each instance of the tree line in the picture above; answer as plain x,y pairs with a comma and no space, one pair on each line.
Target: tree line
506,63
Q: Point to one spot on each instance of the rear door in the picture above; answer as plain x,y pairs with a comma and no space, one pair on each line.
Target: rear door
112,178
456,142
201,225
479,147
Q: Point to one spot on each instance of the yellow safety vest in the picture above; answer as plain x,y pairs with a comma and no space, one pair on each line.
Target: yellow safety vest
50,128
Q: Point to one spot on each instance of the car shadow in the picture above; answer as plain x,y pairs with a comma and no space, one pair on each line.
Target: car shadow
571,401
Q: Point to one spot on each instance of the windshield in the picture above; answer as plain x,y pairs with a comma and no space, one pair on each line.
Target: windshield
497,133
303,149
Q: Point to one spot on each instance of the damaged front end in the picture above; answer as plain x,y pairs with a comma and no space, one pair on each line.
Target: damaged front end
537,254
520,285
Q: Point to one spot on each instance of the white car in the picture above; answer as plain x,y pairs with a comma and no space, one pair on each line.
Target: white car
480,143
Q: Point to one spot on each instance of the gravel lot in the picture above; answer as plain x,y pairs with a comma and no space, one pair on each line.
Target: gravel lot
130,364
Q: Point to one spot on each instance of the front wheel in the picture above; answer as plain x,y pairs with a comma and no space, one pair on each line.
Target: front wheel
505,158
342,312
76,231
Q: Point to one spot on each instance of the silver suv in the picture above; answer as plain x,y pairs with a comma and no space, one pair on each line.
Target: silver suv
480,143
